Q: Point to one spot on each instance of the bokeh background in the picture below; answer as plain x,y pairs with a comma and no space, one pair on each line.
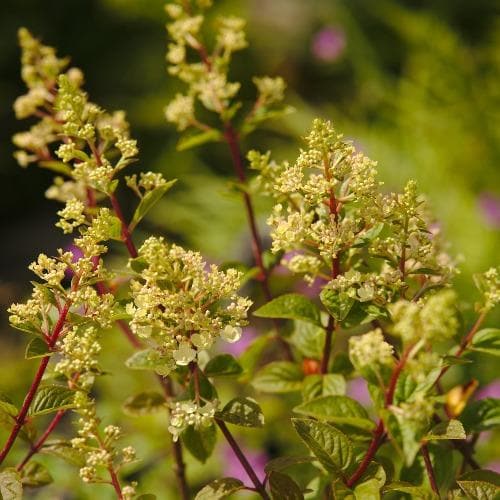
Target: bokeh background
414,83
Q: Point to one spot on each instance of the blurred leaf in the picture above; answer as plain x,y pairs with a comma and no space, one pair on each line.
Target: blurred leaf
220,488
453,429
480,484
64,450
283,487
280,463
11,487
337,409
367,490
144,403
189,140
223,365
487,341
250,358
242,411
279,377
7,405
308,338
200,442
57,166
149,201
34,474
329,384
481,415
290,306
51,398
331,446
416,492
150,359
37,348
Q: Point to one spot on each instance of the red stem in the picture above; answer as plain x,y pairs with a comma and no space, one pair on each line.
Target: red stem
115,482
430,471
327,349
126,236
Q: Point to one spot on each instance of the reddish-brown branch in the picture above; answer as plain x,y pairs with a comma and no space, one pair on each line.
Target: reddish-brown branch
115,482
430,470
126,236
327,349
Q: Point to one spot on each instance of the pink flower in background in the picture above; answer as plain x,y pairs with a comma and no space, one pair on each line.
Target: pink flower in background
77,255
357,389
489,205
328,44
489,391
494,466
233,468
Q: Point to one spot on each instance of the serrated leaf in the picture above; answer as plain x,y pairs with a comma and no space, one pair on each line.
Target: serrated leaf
189,141
480,484
367,490
148,201
64,450
144,403
290,306
487,341
481,415
338,304
314,386
220,488
331,446
51,398
34,475
245,412
416,492
283,487
11,487
279,377
37,348
308,338
453,429
223,365
150,359
200,442
281,463
337,409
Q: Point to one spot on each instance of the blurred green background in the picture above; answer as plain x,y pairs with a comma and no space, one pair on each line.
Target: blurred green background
414,83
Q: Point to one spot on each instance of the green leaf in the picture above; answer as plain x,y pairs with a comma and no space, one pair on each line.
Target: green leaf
338,304
220,488
35,475
144,403
330,384
487,341
279,377
250,358
52,398
37,348
283,487
7,405
481,415
337,409
207,389
453,429
57,166
150,359
367,490
7,420
189,141
242,411
200,442
290,306
309,339
148,201
281,463
331,446
63,449
223,365
480,484
415,492
11,487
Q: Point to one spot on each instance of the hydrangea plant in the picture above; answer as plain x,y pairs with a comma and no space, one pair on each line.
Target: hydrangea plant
379,302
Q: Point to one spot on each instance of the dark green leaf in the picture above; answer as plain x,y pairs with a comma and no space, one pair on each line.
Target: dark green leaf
148,201
52,398
481,415
453,429
283,487
35,475
331,446
314,386
250,358
220,488
242,411
279,377
281,463
200,442
144,403
309,339
11,487
338,304
487,341
207,389
37,348
480,484
290,306
337,409
223,365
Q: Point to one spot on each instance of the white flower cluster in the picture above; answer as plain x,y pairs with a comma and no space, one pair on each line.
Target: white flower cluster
488,284
370,349
72,215
186,413
182,304
148,181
